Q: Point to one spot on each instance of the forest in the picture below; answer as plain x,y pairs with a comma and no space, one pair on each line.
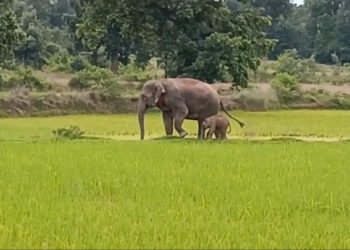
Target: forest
209,40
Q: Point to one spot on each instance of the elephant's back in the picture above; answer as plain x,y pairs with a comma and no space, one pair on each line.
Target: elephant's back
194,89
199,96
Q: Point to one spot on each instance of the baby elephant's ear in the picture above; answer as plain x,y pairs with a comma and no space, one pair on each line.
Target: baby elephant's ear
159,91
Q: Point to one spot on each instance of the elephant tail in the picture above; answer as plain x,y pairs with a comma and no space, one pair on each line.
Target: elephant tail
229,125
233,118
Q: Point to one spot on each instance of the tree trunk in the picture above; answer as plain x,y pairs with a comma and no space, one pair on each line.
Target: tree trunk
93,59
94,56
114,62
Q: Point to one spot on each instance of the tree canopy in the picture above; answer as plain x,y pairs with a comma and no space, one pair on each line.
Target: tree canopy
202,39
9,29
212,40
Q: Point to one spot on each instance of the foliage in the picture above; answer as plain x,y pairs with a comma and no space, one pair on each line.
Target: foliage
23,77
62,61
211,41
110,26
41,41
286,86
327,27
133,72
290,63
71,133
227,43
282,29
286,81
93,78
9,30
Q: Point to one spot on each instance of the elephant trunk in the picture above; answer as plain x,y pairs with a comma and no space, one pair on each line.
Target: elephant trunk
141,113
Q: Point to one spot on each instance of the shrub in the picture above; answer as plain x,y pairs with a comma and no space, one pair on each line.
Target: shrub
263,74
71,133
78,63
93,78
77,83
307,70
304,70
133,72
286,86
285,80
2,82
62,61
24,77
288,63
59,62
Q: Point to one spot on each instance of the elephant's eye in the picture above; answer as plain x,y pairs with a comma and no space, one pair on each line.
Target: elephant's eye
144,97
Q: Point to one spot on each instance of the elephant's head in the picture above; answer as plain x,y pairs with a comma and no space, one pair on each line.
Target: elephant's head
151,92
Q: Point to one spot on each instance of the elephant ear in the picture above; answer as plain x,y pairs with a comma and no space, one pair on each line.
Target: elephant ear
159,90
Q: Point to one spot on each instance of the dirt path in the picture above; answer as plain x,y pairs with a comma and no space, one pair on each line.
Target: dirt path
236,138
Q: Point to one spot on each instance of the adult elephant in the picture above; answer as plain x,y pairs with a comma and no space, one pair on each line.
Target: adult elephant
179,99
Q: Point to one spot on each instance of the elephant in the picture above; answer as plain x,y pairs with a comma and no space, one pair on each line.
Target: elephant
217,124
179,99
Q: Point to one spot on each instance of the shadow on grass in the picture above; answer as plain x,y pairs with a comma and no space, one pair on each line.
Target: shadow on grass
252,140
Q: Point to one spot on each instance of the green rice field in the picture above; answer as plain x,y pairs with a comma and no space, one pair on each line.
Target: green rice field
119,192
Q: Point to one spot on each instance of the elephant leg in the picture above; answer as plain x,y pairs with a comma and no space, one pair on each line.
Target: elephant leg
223,135
217,134
179,119
208,135
168,124
201,131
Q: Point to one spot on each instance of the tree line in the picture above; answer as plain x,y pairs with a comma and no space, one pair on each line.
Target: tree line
212,40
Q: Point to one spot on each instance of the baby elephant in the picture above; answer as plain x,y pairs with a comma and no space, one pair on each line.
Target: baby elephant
217,124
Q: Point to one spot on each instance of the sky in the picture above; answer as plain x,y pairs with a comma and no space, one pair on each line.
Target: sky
298,1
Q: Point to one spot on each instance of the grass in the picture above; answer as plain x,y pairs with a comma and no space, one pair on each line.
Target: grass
174,193
325,123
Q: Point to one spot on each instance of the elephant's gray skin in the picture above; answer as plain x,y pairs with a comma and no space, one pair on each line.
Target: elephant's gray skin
217,124
179,99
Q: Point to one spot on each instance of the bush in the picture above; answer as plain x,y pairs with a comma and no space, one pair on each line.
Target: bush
24,77
264,73
79,63
307,70
94,78
2,82
286,81
71,133
286,86
133,72
290,63
78,83
62,61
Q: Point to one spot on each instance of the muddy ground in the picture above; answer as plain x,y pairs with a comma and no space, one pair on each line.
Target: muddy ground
61,101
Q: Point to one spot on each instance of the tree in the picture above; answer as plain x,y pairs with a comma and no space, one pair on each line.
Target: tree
202,39
282,29
343,31
111,24
328,31
41,41
213,43
9,29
